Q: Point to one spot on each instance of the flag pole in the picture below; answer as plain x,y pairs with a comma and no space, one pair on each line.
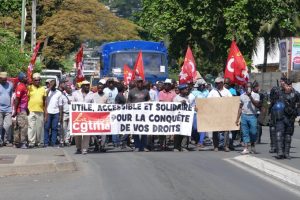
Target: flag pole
23,25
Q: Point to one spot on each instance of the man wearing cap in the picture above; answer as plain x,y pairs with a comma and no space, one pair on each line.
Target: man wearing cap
6,89
111,92
21,112
83,96
64,103
218,92
139,94
52,115
200,92
165,95
100,98
180,141
36,105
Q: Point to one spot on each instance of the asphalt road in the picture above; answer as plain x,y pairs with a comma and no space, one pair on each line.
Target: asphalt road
141,175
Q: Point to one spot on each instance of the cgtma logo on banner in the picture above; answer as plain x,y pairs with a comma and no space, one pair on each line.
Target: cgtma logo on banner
91,122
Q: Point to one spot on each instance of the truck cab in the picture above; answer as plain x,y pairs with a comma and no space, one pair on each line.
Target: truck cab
114,55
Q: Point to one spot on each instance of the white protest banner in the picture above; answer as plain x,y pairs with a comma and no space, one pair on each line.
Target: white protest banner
146,118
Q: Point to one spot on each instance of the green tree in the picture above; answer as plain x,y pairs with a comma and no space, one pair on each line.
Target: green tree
67,28
123,8
11,59
208,26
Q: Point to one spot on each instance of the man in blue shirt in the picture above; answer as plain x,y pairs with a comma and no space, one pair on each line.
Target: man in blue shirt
201,92
6,89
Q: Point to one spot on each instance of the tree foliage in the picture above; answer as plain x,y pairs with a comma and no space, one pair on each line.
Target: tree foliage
123,8
78,21
210,25
11,59
65,24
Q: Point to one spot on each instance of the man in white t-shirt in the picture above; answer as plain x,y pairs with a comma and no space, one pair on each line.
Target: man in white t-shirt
83,96
52,114
111,92
250,101
180,141
218,92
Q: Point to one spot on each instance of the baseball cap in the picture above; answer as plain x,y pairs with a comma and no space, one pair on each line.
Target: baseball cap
199,82
102,81
138,78
3,74
36,75
168,81
85,82
21,76
182,86
219,80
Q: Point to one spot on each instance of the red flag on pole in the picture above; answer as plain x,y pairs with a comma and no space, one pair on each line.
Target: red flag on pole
79,65
236,69
128,74
188,70
32,62
139,67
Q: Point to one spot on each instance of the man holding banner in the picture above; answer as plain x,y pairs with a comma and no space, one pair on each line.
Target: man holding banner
139,94
84,96
218,92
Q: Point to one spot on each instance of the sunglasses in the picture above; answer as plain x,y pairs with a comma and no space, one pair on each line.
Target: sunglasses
37,79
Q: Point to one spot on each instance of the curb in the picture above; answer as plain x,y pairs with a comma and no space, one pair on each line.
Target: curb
19,169
272,168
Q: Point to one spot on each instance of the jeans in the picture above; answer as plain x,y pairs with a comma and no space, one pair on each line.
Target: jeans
115,139
249,128
52,122
5,127
201,134
140,141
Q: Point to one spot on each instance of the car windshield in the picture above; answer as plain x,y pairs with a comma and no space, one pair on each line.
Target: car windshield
154,63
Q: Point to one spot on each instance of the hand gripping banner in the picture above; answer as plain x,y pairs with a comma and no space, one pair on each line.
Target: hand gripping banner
146,118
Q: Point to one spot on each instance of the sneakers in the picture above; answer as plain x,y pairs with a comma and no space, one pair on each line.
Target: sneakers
175,150
253,151
24,146
272,150
84,151
78,151
227,149
216,149
245,152
184,150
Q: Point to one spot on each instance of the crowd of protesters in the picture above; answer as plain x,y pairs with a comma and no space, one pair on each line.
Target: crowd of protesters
33,115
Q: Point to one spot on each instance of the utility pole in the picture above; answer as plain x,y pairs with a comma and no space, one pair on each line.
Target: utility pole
33,25
23,25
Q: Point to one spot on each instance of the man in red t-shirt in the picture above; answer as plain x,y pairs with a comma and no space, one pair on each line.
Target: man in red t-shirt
21,105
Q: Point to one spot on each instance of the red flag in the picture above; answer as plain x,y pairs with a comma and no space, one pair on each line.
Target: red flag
79,65
139,67
32,62
236,68
128,74
188,70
